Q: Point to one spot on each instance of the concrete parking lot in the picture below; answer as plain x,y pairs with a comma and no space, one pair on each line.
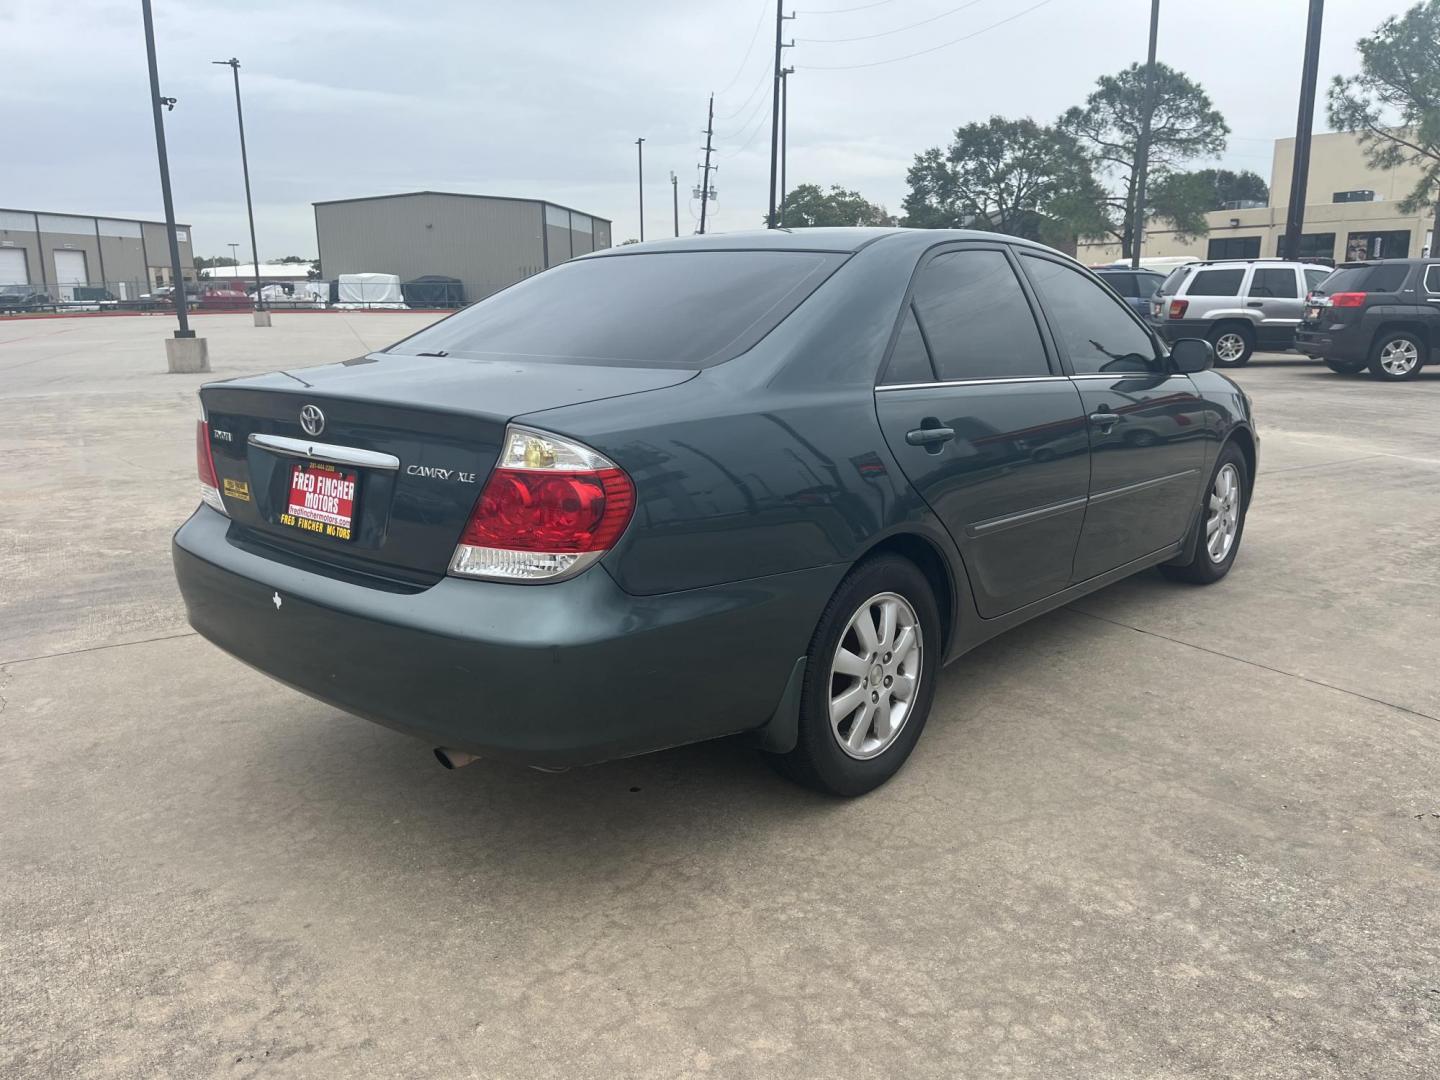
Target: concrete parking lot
1164,832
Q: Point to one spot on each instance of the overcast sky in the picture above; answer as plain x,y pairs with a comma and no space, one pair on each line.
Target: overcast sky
545,98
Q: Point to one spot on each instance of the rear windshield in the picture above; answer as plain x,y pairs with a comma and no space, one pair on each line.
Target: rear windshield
1371,277
677,309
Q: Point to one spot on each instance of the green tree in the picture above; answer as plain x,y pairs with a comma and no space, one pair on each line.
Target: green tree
1184,198
205,262
1009,176
292,259
1393,105
1183,125
808,206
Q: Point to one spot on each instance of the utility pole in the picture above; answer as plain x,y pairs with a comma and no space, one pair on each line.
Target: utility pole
780,18
640,165
184,352
784,132
1305,120
262,317
705,171
1142,145
675,198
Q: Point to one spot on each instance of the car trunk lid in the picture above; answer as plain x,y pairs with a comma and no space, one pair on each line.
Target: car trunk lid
396,451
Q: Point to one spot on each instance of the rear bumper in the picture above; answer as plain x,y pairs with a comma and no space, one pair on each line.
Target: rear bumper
1173,330
1325,344
565,674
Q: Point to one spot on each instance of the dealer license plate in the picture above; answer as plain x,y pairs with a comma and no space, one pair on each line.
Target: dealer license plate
322,499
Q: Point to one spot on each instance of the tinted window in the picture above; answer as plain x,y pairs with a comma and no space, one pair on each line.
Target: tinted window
1171,285
1314,277
679,309
1216,283
1373,277
1096,331
1124,284
909,361
1432,278
1147,284
976,319
1276,281
1233,247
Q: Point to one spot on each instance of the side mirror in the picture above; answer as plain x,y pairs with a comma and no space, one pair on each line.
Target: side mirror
1191,355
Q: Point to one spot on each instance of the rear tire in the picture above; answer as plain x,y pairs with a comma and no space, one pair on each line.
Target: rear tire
1346,367
1221,522
867,693
1396,356
1234,343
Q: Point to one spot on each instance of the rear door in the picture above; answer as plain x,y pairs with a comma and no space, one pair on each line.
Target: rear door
1146,426
986,427
1278,292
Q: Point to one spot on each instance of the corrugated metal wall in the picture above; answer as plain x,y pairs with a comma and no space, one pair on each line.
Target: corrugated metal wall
113,248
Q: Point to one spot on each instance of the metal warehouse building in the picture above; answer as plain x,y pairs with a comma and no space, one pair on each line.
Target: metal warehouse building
59,253
485,241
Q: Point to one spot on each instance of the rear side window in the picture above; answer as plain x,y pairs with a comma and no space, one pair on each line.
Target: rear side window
909,362
1432,278
679,309
1097,331
976,319
1276,281
1314,277
1171,285
1216,283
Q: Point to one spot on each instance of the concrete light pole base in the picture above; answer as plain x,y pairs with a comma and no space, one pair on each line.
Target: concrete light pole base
262,318
187,356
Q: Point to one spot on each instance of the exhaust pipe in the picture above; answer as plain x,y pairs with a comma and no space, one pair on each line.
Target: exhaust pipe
454,759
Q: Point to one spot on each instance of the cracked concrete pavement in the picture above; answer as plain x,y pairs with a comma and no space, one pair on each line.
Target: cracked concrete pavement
1163,832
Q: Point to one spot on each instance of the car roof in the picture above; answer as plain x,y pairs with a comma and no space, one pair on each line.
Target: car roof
820,239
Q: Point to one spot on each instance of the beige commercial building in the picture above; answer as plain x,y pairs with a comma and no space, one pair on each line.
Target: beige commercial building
78,257
1351,212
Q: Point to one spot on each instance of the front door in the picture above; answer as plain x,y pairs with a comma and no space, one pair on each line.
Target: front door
986,427
1147,426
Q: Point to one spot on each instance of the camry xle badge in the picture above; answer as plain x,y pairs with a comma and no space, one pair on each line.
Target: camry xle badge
312,419
276,601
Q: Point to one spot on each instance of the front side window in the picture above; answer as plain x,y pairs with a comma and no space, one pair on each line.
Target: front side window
975,317
681,309
1097,332
1216,283
1275,282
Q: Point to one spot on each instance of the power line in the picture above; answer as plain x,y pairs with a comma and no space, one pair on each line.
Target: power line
846,10
754,131
755,36
923,52
887,33
744,125
764,74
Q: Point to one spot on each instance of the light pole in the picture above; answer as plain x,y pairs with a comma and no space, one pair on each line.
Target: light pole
675,199
234,258
1305,120
262,317
640,165
1142,146
184,352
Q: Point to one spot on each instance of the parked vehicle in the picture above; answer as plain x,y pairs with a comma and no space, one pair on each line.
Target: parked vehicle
226,300
24,298
1237,305
1384,315
763,483
1135,287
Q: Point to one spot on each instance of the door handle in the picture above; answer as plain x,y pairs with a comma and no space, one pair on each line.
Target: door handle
1255,303
929,436
1104,421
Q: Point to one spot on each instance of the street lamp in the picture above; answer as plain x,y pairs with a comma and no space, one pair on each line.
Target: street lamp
262,317
184,352
234,258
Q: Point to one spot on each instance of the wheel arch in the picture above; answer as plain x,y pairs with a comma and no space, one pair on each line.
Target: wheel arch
1401,325
932,562
1244,438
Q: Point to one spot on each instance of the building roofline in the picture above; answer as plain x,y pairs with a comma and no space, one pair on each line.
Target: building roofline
100,217
463,195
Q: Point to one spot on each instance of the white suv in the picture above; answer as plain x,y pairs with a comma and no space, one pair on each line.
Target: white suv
1237,304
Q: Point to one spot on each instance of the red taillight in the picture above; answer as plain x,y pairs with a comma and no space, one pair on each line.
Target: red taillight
1347,299
205,467
549,509
520,510
1178,308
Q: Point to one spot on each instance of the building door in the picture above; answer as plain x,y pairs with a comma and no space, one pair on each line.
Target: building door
13,269
69,271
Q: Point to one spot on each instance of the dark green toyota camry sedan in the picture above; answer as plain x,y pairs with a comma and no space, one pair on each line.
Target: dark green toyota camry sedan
757,483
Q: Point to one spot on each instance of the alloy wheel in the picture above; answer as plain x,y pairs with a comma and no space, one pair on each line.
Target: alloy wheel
1223,522
1399,357
1229,347
874,675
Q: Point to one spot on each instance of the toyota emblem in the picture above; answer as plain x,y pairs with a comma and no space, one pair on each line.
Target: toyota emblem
312,419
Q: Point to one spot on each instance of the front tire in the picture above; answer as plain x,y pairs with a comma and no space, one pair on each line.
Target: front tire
1234,343
1221,522
869,680
1397,356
